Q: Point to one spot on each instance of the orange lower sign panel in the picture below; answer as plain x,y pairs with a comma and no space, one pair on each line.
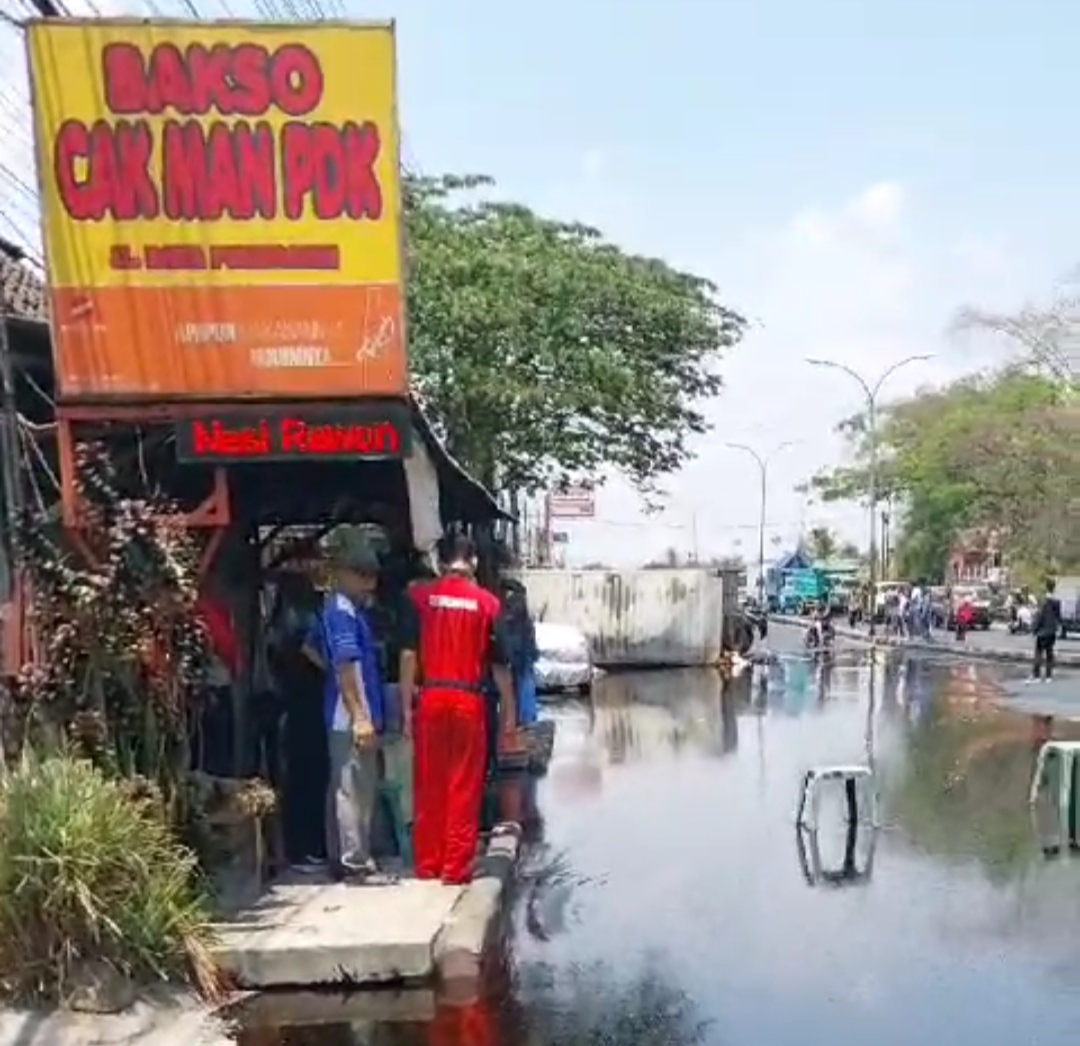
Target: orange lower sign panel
220,343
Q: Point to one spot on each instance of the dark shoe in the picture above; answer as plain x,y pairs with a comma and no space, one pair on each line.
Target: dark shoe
368,874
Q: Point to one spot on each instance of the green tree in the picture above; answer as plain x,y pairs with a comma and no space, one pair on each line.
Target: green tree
821,543
998,451
542,351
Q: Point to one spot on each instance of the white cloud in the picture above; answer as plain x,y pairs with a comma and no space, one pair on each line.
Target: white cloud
865,280
878,209
866,283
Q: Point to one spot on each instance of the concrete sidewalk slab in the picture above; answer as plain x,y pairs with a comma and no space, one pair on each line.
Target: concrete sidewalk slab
336,933
459,948
308,933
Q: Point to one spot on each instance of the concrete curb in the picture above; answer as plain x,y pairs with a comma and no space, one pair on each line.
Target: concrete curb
1064,659
459,946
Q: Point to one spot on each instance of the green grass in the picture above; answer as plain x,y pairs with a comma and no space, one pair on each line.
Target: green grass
89,873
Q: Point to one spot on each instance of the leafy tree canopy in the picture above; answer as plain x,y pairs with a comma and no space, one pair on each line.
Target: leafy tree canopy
543,352
822,543
994,452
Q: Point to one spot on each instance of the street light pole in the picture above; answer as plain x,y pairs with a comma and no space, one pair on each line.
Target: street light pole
763,468
871,392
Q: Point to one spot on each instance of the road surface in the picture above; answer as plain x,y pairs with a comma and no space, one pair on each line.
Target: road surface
666,899
995,641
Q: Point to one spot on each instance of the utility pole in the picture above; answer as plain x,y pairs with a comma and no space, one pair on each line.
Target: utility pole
546,542
11,492
763,468
871,392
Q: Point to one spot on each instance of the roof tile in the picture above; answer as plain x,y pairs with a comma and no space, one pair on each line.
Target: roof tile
22,290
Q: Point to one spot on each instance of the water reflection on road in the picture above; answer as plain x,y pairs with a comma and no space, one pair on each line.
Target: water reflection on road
665,901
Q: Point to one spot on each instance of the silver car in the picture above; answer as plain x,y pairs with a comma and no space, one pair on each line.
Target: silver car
565,661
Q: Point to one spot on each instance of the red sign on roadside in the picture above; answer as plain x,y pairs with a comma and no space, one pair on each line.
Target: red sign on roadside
572,503
295,435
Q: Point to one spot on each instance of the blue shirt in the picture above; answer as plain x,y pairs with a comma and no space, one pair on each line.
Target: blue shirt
342,635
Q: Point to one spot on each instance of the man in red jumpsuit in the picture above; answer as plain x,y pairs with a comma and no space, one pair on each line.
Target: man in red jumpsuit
460,638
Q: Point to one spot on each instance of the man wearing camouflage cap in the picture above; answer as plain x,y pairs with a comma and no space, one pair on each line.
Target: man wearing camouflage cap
354,699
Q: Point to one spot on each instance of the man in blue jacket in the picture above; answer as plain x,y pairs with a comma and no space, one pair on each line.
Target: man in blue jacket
353,701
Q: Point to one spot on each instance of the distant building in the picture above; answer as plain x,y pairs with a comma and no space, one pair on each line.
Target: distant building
21,287
774,574
976,556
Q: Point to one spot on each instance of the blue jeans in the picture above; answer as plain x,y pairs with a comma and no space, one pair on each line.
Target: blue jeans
527,706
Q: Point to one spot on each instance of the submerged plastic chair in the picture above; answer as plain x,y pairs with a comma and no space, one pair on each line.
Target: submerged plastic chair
858,781
857,867
1064,755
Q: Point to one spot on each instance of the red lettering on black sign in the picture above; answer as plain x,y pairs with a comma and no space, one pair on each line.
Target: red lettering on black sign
213,439
293,437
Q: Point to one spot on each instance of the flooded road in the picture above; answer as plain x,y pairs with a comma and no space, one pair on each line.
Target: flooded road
666,901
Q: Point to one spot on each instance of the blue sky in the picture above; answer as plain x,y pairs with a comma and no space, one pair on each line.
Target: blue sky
850,173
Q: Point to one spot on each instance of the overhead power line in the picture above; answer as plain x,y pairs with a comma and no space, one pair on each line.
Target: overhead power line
48,8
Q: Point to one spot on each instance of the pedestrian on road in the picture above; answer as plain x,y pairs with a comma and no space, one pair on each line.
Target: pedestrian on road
354,702
965,618
1046,625
460,637
520,631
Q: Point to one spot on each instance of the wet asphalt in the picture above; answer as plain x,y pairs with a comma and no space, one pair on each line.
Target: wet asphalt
665,898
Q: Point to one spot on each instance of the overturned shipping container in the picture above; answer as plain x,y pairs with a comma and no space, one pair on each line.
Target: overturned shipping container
664,617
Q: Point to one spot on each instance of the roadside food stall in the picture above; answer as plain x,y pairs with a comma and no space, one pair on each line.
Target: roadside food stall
225,310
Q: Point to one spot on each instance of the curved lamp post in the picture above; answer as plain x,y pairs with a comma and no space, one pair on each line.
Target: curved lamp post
763,468
871,392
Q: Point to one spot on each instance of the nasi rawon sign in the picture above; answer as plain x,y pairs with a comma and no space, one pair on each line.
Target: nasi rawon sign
221,208
317,433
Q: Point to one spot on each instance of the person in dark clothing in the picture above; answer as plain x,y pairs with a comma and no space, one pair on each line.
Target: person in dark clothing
1045,627
299,684
521,641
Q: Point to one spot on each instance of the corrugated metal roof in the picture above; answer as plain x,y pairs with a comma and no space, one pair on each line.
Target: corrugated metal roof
21,288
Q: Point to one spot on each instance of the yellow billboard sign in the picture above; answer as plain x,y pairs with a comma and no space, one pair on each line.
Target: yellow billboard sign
221,207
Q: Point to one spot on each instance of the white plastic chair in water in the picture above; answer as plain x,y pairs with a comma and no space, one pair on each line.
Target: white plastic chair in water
866,796
1065,754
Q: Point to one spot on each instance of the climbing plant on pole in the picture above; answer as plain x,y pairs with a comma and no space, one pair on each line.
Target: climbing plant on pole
121,651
